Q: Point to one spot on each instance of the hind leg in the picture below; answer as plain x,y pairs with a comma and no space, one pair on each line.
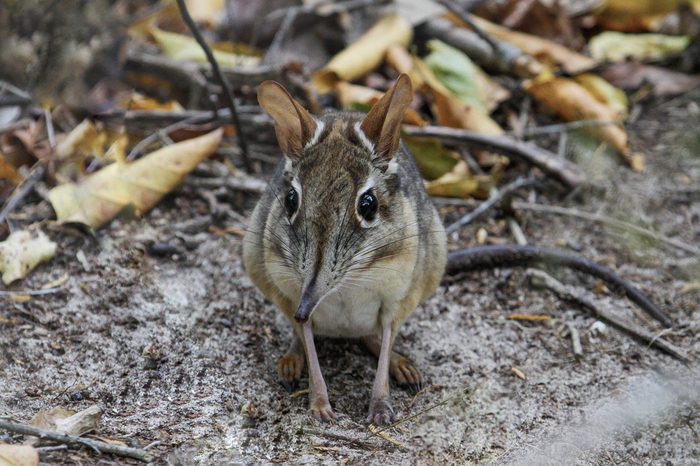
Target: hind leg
401,369
290,365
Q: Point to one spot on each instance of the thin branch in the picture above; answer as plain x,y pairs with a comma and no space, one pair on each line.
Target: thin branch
545,280
488,257
561,127
36,173
548,209
563,170
222,81
98,446
45,291
497,197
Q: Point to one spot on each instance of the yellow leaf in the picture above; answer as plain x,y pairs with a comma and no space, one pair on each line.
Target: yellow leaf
618,46
18,455
365,54
573,102
21,252
139,101
606,93
431,156
99,197
354,97
460,186
544,50
185,48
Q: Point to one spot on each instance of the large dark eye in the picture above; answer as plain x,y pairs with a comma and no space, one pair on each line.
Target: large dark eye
367,206
291,201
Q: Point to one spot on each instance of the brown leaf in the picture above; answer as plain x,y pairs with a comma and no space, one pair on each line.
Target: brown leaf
664,81
544,50
354,97
365,54
18,455
572,102
99,197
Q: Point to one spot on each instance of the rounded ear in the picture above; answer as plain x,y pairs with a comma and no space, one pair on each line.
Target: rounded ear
294,126
382,125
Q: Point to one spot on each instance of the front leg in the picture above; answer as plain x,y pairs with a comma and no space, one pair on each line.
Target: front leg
380,411
319,406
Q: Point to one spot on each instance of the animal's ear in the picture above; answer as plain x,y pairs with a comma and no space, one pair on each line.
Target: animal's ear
382,125
294,126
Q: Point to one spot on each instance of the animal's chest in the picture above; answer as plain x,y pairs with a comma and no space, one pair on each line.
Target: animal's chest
345,316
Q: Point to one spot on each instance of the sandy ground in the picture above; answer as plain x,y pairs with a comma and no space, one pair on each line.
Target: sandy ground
181,349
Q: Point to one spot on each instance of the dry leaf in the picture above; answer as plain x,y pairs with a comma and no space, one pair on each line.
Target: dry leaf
463,78
137,101
606,93
185,48
544,50
432,158
365,54
634,15
18,455
99,197
572,102
664,81
459,184
21,252
618,46
354,97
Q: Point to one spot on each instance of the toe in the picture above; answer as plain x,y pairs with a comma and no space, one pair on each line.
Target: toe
322,411
380,413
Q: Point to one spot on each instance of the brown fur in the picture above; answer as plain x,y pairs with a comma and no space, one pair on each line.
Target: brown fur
349,276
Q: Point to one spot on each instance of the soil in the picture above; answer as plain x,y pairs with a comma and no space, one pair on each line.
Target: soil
175,344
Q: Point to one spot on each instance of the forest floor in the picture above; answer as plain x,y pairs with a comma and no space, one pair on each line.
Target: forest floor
181,350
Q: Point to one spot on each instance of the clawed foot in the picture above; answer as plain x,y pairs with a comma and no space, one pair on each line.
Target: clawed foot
380,413
289,369
321,410
405,373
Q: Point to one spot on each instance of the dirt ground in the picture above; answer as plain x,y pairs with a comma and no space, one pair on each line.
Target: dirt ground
180,349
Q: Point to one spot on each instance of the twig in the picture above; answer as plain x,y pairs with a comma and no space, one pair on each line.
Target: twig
496,197
609,221
560,127
35,174
239,182
575,340
342,438
374,429
486,257
222,81
565,171
461,14
32,292
153,137
568,293
98,446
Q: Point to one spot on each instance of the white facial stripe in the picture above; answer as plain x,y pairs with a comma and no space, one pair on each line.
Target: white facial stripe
287,164
369,184
317,134
297,186
365,140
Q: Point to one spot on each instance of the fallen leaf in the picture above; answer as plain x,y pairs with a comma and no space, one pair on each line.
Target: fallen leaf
22,251
67,421
432,157
460,184
8,171
634,15
361,98
138,101
185,48
544,50
99,197
573,102
463,78
665,82
606,93
618,46
365,54
18,455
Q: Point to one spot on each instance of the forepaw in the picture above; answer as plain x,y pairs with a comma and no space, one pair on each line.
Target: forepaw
380,413
289,369
406,374
321,410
